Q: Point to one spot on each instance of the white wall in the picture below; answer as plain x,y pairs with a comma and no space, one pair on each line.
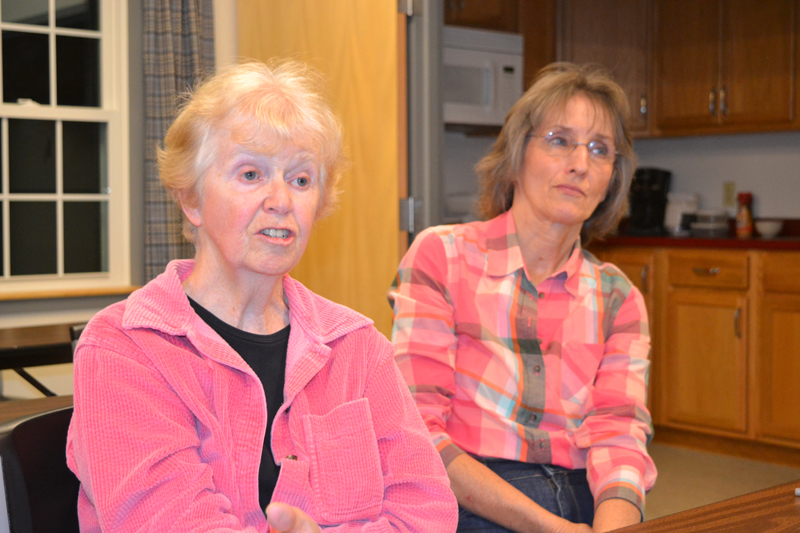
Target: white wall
767,164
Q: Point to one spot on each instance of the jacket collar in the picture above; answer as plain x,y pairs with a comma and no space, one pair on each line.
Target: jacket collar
162,305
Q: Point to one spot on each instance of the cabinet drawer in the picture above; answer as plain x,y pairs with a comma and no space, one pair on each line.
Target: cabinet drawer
782,272
706,268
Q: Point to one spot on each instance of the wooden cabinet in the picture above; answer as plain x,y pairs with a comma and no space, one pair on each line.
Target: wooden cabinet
724,65
778,364
725,326
498,15
705,341
615,34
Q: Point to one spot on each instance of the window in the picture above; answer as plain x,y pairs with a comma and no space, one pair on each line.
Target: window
63,145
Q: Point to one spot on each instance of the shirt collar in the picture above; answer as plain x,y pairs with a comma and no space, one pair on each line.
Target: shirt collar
505,255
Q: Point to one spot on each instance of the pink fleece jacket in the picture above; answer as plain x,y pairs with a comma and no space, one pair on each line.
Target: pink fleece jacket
169,423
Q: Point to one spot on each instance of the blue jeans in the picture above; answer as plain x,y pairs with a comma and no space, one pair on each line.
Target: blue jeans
561,491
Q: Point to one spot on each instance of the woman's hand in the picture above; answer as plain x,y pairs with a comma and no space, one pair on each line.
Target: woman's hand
284,518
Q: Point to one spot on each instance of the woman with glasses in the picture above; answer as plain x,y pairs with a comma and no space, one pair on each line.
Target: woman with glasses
526,356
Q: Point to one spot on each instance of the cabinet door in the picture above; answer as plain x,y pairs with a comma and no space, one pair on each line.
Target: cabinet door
612,33
706,341
687,63
757,62
779,367
499,15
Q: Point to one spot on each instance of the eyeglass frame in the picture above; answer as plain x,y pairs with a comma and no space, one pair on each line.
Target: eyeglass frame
575,144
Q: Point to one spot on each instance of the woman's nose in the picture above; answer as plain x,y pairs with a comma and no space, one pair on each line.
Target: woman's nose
580,159
278,198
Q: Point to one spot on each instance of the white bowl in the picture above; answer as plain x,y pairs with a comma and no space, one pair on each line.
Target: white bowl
768,228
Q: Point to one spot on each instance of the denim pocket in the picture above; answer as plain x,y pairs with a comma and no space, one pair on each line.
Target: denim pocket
345,464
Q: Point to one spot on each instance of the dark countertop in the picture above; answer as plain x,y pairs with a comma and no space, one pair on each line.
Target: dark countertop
778,243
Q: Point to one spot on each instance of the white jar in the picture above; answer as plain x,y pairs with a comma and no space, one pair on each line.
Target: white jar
678,204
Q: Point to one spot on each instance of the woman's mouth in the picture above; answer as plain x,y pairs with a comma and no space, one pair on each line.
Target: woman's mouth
571,190
276,233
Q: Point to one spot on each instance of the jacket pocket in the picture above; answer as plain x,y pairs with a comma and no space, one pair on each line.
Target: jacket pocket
345,464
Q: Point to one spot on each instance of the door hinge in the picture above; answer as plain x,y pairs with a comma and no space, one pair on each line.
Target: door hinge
408,207
406,6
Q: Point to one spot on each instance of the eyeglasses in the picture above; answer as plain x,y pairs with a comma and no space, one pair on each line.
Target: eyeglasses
562,145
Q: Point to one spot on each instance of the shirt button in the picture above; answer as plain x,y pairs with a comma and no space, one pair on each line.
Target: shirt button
542,444
537,369
541,295
534,417
539,340
291,457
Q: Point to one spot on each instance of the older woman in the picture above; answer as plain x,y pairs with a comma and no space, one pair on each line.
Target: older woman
224,384
522,349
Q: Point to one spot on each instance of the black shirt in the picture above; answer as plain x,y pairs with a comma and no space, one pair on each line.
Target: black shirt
266,355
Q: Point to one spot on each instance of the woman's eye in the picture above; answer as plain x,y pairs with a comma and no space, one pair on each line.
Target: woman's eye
250,175
558,141
302,181
598,148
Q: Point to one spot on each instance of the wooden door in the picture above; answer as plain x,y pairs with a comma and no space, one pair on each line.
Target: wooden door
614,34
498,15
359,46
687,69
706,342
758,55
779,367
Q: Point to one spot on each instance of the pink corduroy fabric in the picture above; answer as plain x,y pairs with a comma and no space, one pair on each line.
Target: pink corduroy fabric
169,423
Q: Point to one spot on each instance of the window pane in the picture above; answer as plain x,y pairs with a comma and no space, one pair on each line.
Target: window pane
84,157
77,71
33,238
80,14
25,70
85,248
25,11
31,156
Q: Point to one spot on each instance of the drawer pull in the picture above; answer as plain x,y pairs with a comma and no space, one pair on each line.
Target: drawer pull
706,271
737,322
712,108
644,279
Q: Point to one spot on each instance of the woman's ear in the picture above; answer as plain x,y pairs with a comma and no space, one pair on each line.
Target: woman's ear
190,211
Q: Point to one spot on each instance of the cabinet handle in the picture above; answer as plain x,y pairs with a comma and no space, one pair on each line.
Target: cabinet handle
712,108
723,106
643,104
644,279
737,322
706,271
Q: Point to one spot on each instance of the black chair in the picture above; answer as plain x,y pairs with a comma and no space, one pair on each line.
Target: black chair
41,492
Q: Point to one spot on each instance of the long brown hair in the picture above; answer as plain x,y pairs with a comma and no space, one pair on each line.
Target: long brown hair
555,85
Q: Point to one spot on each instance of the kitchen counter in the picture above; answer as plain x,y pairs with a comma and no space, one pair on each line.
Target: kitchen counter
778,243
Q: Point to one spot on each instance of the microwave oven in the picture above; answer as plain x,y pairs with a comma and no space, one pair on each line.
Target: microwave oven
481,75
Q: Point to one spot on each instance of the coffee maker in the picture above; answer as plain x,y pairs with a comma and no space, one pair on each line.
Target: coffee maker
648,201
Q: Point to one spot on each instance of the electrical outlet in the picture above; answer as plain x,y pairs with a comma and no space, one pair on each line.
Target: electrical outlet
728,194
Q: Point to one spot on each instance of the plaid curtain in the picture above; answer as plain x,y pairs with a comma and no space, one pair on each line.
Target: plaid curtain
178,49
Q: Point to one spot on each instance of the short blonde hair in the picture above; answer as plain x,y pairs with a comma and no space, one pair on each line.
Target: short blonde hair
262,106
555,85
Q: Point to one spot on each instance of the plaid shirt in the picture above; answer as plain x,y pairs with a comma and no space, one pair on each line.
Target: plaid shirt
554,374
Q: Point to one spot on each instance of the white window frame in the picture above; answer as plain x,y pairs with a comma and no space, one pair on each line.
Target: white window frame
114,111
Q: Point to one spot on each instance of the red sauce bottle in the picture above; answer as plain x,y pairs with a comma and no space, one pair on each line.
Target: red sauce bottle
744,216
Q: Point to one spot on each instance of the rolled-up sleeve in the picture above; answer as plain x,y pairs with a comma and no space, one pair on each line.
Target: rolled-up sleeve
424,335
617,425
